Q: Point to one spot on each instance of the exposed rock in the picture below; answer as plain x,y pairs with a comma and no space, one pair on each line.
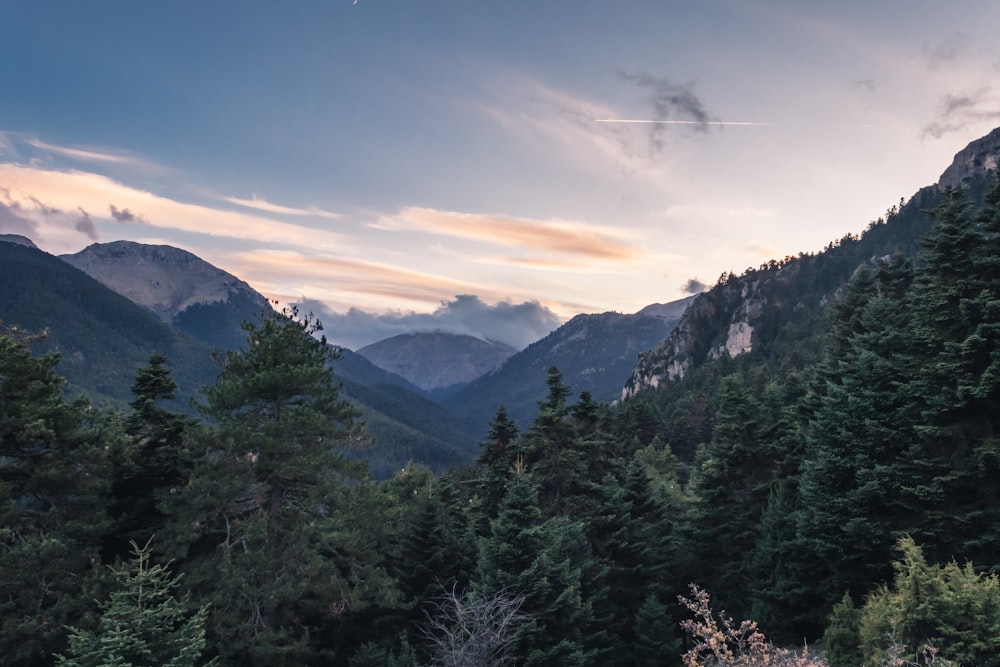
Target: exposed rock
162,278
978,157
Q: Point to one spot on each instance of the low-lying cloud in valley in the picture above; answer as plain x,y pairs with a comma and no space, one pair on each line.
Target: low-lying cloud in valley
516,324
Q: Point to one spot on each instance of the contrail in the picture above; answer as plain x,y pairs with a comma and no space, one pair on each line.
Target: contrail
649,121
676,122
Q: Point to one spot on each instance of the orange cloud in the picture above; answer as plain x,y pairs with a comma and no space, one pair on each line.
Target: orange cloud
569,238
275,269
72,190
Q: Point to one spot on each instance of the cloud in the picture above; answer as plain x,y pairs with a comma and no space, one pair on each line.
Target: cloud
517,325
947,51
70,190
693,286
85,225
864,85
259,204
562,237
12,222
668,101
958,110
91,155
123,215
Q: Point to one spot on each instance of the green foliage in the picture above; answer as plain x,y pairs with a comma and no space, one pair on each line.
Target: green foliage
141,623
272,521
951,608
841,641
53,494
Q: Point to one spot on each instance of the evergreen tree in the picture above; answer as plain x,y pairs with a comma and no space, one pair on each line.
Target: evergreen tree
53,499
860,433
497,457
273,520
154,457
141,624
544,561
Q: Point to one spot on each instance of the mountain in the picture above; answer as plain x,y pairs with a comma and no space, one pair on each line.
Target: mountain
785,301
17,239
103,337
437,360
179,287
594,353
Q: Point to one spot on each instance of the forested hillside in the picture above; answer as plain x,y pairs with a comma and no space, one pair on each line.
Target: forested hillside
786,491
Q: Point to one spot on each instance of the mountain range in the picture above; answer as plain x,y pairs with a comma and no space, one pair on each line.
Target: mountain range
429,396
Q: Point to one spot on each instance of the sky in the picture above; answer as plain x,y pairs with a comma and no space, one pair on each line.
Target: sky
491,168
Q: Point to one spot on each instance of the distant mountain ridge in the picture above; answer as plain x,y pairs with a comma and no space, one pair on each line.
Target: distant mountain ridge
594,353
437,360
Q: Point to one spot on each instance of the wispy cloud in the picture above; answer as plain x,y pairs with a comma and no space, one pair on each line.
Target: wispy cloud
85,225
260,204
670,102
72,190
290,271
693,286
956,111
562,237
87,154
123,215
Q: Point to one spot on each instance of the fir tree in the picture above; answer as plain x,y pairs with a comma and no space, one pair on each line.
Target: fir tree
141,624
53,500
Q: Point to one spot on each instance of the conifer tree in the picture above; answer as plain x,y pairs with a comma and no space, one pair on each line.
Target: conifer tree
53,499
272,522
141,624
155,455
545,561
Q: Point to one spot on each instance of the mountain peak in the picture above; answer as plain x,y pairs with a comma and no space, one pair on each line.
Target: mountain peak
162,278
978,157
18,240
435,359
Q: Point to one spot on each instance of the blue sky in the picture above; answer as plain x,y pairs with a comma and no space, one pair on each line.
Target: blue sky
380,159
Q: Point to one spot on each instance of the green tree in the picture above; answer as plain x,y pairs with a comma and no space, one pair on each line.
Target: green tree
860,436
545,561
154,457
141,624
951,608
53,499
275,522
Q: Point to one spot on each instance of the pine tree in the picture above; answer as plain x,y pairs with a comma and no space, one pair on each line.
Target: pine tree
141,624
272,522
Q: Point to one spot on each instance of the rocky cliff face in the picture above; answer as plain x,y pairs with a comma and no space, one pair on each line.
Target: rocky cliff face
978,157
718,323
435,360
164,279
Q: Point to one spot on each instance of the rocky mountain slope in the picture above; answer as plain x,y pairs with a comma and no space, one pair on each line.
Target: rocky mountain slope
784,299
180,287
437,360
